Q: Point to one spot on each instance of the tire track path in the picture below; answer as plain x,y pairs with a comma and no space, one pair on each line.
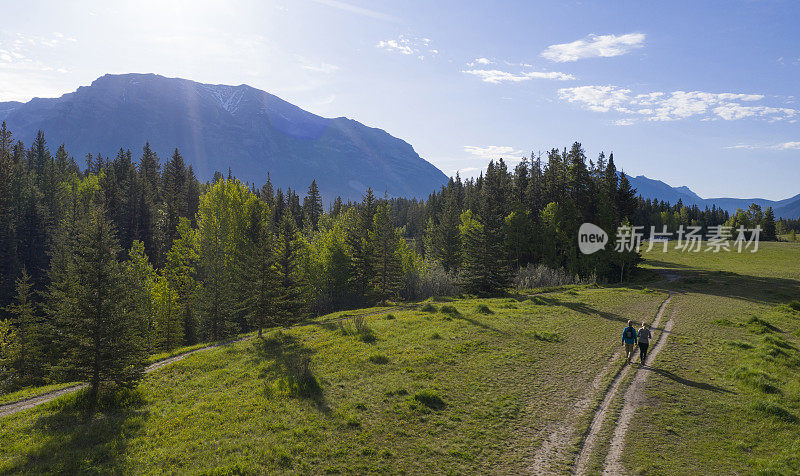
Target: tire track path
590,441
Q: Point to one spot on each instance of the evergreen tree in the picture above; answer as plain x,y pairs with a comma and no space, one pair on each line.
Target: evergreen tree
483,271
176,196
259,274
140,279
101,341
292,289
312,205
384,244
28,362
768,226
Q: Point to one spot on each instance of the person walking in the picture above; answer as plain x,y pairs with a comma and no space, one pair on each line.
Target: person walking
629,341
644,336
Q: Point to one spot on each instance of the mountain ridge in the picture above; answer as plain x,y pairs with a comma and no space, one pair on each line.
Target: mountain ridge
217,126
657,189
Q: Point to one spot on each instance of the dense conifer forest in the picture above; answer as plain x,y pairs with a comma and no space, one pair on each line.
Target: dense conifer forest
104,265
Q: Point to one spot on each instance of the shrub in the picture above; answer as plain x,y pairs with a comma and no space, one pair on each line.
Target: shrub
795,305
430,279
539,276
389,316
451,310
430,399
356,325
428,307
379,359
483,309
435,335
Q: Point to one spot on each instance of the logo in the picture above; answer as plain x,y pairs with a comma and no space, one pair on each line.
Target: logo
591,238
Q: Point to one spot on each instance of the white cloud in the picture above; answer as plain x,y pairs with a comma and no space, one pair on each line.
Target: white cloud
791,145
624,122
408,46
483,61
322,67
594,46
675,105
495,76
493,151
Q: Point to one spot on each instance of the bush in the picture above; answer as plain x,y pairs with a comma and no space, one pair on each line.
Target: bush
435,336
483,309
428,307
356,325
430,399
451,310
429,280
760,326
539,276
389,316
795,305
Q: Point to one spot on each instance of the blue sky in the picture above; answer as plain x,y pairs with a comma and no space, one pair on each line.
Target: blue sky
694,93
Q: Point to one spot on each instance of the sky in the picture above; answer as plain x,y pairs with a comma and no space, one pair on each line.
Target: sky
696,93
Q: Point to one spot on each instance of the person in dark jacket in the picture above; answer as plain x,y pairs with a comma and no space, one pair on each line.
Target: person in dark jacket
629,341
644,336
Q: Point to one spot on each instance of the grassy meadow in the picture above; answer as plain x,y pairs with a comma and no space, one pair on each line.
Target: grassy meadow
460,386
724,397
465,386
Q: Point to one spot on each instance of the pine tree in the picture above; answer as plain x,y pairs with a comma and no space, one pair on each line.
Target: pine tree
483,271
8,239
176,196
28,362
312,205
101,341
259,274
384,240
768,226
292,288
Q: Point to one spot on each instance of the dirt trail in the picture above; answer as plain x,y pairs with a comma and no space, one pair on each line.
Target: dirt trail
634,396
590,440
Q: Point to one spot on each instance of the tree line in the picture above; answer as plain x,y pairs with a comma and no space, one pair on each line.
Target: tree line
101,267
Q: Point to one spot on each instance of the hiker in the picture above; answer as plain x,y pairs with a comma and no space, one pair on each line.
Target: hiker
629,339
644,335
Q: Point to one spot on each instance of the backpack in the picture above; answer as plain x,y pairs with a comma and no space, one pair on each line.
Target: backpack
629,333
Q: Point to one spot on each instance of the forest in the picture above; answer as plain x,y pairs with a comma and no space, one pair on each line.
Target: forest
103,265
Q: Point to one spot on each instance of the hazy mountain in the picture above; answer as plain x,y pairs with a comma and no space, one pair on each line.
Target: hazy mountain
218,126
656,189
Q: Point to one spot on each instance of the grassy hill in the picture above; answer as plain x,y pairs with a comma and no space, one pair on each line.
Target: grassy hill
467,386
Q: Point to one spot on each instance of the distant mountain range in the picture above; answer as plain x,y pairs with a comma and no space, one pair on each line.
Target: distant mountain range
656,189
217,127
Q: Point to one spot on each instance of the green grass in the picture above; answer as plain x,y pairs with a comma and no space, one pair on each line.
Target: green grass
313,399
724,397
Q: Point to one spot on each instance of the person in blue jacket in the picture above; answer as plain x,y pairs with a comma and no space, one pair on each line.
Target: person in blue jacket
629,340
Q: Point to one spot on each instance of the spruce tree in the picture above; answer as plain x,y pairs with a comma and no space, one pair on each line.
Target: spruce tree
176,196
483,271
99,334
384,240
180,271
312,206
292,288
28,362
259,274
768,226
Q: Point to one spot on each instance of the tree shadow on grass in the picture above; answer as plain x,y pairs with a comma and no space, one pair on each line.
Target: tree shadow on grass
70,440
690,383
288,368
757,289
478,323
586,309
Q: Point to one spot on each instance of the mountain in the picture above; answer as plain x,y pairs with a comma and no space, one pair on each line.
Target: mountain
218,126
656,189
